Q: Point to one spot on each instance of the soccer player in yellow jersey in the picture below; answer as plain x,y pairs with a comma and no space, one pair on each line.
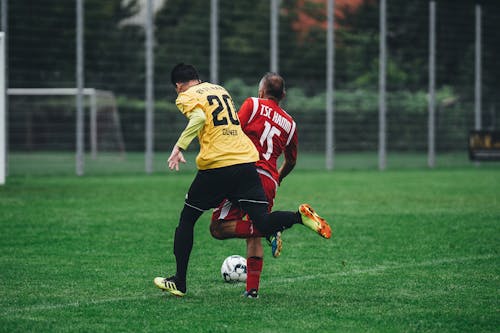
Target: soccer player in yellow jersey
226,169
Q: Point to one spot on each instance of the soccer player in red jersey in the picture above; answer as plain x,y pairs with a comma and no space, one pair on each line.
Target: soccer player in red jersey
273,132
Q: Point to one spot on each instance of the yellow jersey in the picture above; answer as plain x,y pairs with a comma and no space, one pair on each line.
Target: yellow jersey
222,141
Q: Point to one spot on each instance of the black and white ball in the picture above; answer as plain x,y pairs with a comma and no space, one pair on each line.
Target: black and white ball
234,269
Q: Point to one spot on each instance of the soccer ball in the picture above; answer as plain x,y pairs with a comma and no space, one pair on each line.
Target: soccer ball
234,269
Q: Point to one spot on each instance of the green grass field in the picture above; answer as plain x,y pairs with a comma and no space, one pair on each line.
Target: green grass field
412,251
63,163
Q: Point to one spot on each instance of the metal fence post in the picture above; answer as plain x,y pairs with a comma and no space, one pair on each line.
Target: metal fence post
275,5
330,107
382,89
80,84
214,41
431,158
149,134
93,124
478,55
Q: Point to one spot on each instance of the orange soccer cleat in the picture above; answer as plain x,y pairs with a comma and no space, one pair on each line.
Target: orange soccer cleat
314,221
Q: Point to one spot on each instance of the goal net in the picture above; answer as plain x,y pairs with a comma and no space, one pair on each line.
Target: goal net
43,119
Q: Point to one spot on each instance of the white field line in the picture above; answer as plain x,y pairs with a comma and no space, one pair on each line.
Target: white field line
382,268
43,307
374,270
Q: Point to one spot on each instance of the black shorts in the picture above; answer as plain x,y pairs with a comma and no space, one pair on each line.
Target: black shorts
237,183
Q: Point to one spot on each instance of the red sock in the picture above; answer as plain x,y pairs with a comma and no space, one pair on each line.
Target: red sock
245,229
254,268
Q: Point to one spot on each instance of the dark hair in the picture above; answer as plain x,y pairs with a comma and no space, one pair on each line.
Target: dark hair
182,73
273,85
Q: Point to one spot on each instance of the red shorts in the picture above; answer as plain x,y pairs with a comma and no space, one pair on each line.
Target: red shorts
230,211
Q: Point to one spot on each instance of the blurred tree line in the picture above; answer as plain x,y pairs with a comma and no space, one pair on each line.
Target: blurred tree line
42,44
42,47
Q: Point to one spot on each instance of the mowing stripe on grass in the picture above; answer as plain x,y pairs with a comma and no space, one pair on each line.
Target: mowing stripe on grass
381,268
377,269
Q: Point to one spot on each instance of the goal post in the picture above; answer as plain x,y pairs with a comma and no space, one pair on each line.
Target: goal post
102,99
98,100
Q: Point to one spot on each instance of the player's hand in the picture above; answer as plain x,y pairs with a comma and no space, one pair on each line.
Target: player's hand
175,158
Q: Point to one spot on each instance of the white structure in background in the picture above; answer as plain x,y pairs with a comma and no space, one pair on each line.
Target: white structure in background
140,18
3,126
104,117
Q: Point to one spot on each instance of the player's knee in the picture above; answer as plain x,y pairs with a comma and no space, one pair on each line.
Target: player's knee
189,216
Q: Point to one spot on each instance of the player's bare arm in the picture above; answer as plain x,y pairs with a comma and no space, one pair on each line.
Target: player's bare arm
286,168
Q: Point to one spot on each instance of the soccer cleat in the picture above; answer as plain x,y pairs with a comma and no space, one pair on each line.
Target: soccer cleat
313,221
252,293
276,243
169,284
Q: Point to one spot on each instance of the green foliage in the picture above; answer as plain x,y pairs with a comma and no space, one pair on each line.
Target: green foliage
396,77
240,91
80,254
42,44
183,35
361,100
139,105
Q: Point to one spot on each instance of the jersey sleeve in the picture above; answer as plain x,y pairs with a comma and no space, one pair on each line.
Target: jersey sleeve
186,103
245,112
196,121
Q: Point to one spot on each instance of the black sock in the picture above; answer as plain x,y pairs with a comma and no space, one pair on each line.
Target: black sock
269,223
281,220
183,244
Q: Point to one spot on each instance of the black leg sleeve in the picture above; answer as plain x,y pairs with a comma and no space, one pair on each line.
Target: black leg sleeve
183,241
269,223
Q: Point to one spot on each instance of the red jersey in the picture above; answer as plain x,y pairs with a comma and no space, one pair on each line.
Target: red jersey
272,131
